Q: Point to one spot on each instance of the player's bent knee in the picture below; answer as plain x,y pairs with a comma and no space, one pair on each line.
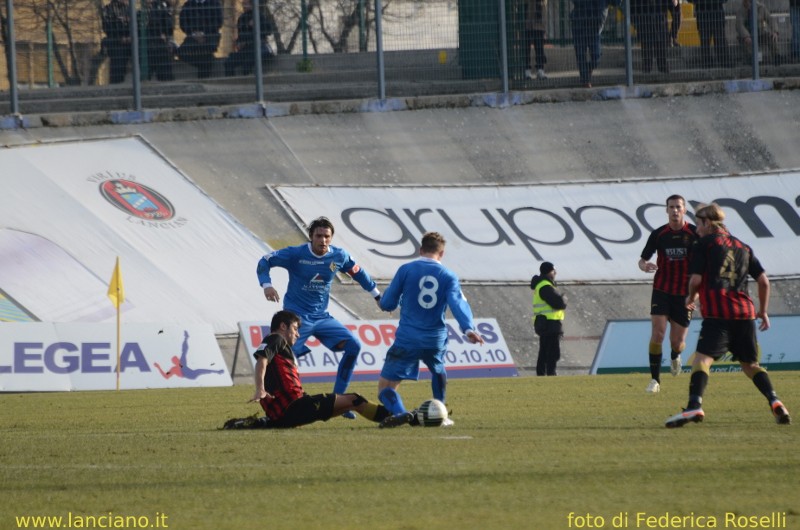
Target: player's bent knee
352,348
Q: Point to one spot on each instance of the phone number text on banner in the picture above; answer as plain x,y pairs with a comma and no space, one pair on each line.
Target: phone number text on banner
462,360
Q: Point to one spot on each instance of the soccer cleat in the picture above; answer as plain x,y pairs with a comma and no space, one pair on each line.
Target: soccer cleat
682,418
404,418
350,415
675,366
528,74
447,422
781,414
250,422
654,387
540,74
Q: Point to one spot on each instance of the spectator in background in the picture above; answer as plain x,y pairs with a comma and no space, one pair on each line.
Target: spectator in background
711,26
201,21
117,44
548,318
587,19
160,46
794,15
535,29
674,8
244,54
650,20
766,30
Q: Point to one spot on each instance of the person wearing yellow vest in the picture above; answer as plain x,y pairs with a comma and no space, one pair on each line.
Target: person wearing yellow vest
548,315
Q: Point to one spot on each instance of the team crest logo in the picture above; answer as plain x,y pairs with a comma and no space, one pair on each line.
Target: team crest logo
333,267
137,200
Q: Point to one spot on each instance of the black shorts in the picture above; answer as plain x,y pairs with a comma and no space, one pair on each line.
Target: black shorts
718,336
305,410
671,305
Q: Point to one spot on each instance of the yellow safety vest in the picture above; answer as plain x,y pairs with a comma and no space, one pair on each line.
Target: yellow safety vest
540,307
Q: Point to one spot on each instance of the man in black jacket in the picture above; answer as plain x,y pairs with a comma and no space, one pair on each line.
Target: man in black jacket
244,55
160,48
201,21
117,27
711,26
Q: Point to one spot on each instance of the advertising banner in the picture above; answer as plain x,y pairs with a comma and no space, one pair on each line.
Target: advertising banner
463,359
623,347
592,231
42,357
69,209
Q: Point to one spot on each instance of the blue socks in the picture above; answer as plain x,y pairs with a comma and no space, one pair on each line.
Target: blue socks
346,367
392,401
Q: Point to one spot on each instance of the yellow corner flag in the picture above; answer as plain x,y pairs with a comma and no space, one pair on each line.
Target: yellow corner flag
116,292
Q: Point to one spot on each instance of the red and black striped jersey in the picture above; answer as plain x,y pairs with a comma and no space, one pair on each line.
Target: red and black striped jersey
724,262
281,378
674,249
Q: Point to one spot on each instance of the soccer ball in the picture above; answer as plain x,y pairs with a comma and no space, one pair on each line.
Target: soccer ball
431,413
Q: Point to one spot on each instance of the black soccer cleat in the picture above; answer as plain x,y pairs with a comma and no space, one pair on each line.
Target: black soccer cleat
397,420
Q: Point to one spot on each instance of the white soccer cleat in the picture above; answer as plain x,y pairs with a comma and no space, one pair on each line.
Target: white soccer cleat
447,422
540,74
675,366
653,388
682,418
528,74
781,414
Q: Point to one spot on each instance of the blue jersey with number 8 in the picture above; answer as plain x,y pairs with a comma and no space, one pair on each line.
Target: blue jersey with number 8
424,289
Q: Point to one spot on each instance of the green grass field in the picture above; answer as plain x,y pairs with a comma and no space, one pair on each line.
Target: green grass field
524,453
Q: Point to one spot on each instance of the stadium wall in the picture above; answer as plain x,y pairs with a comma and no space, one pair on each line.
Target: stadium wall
233,160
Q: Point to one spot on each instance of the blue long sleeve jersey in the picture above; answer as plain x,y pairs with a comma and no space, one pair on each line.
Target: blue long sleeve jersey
310,277
424,289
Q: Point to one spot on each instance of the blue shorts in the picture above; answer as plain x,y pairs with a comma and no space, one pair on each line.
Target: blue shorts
329,331
403,364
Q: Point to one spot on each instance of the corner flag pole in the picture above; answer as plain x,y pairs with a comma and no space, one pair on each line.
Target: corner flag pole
116,292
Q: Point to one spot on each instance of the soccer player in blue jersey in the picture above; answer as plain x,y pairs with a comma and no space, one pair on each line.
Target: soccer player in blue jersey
312,267
424,289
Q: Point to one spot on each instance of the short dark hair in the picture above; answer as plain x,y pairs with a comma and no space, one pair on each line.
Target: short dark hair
432,242
283,317
675,198
319,222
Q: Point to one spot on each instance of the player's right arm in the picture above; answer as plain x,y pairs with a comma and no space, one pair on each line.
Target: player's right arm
390,298
645,265
278,258
260,371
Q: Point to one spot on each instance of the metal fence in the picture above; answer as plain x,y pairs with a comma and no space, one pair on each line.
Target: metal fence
379,48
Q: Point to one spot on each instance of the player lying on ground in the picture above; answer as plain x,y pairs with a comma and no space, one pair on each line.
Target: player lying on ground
280,393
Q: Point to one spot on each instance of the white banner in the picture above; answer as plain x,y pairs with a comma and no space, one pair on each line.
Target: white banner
591,231
463,359
69,209
41,357
623,347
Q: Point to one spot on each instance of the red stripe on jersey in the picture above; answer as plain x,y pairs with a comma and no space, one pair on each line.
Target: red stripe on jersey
673,252
723,293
